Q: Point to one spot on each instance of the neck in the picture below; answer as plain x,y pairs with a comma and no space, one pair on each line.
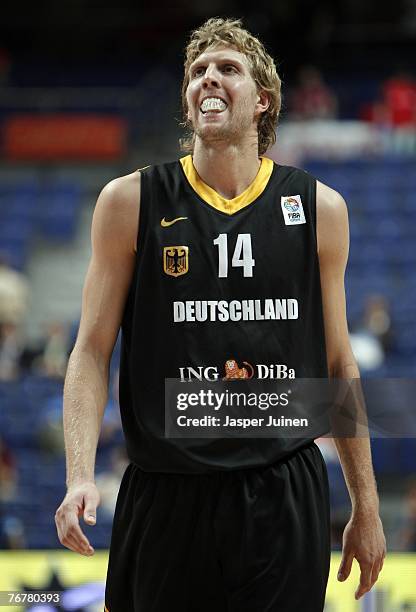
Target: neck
227,168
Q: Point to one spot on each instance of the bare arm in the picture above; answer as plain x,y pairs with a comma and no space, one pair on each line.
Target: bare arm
113,235
363,536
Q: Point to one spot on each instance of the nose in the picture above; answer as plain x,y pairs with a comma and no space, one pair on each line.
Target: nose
211,77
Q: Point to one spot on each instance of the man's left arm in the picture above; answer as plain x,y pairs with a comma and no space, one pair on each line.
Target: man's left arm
363,535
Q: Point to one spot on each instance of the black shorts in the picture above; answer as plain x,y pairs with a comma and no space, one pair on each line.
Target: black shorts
255,540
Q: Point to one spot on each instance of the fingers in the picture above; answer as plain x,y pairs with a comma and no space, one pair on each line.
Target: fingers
345,566
375,572
370,570
377,567
72,543
81,500
382,559
91,501
69,531
366,581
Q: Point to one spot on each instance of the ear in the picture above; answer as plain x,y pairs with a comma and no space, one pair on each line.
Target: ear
263,102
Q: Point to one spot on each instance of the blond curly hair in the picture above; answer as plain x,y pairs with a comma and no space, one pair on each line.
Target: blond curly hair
215,32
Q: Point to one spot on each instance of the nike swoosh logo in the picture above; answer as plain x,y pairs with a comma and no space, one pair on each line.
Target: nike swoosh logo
165,223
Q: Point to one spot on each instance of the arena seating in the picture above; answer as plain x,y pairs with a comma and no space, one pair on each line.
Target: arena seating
380,195
32,209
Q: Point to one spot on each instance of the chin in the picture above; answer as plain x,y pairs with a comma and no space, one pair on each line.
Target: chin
213,132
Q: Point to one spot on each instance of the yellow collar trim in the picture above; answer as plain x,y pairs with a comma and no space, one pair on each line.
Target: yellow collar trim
211,197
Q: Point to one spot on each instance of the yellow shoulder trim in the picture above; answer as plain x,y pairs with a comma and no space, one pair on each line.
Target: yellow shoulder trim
211,197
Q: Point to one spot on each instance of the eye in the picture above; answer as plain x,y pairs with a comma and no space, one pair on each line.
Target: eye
229,68
198,71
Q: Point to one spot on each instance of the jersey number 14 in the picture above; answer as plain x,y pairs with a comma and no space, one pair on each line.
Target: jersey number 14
242,257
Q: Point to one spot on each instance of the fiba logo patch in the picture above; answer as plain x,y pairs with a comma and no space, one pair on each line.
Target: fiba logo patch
292,209
291,204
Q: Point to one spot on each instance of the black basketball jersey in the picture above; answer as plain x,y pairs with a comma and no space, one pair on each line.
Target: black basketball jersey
218,283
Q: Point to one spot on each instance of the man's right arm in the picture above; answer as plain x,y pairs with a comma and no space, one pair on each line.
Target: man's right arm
113,237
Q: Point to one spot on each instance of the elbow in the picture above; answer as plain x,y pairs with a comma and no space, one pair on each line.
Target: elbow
91,353
343,365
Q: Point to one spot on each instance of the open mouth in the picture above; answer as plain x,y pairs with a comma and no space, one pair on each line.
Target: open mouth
213,105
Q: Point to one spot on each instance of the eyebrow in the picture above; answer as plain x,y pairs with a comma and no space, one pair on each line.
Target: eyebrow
221,60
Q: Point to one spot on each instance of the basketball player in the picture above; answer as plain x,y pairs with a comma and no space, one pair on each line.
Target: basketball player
236,525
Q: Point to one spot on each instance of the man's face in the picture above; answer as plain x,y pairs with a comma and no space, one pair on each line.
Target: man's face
223,102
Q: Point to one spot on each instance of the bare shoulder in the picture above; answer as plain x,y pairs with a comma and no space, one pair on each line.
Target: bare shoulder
329,202
117,211
331,220
123,189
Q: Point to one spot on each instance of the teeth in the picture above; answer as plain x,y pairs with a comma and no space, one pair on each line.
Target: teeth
213,104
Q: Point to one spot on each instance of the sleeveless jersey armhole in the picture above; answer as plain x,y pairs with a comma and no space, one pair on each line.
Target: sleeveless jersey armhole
142,210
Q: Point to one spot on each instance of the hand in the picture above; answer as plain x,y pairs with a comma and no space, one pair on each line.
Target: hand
80,500
363,539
